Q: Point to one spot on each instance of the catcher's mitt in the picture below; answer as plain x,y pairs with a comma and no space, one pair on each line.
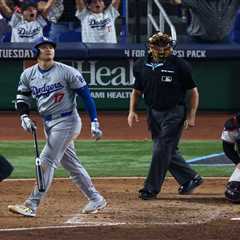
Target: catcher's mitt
232,192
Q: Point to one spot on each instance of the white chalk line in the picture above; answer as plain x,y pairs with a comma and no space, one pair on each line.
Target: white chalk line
79,219
102,178
235,219
76,223
90,224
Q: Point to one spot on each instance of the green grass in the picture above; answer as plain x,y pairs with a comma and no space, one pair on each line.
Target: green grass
110,158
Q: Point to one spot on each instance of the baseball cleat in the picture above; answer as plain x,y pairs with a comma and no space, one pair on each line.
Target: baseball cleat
188,187
22,210
94,206
144,194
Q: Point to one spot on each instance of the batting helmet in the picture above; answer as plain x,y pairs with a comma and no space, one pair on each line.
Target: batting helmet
232,191
161,40
39,42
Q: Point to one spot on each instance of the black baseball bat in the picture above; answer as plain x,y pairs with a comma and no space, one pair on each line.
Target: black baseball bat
38,166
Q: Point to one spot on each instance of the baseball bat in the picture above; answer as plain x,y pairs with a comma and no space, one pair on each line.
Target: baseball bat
38,166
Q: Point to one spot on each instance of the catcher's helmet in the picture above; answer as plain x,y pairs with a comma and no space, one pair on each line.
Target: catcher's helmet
232,191
163,41
39,42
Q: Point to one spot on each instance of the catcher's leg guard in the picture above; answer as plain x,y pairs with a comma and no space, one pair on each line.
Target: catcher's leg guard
5,168
232,191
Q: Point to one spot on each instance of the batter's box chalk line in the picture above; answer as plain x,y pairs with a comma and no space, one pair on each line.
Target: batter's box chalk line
84,220
75,224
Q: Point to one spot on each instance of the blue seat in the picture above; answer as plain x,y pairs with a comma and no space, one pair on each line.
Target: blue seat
6,37
235,33
70,36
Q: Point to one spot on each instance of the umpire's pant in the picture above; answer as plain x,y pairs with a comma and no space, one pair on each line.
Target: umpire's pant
166,127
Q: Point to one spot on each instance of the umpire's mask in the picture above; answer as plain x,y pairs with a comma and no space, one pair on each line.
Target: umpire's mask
160,45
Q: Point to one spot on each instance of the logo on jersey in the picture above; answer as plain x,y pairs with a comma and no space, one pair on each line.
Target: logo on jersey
166,78
99,24
24,33
46,89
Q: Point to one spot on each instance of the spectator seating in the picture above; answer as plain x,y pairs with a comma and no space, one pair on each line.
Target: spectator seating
6,37
70,36
235,33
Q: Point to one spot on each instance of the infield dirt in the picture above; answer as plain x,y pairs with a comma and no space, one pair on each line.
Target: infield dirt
204,215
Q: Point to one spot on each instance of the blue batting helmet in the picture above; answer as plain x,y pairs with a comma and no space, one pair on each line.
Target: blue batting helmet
39,42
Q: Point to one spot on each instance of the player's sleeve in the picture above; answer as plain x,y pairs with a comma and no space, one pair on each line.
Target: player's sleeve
85,95
138,81
41,21
185,74
24,95
79,85
81,14
113,11
75,79
15,19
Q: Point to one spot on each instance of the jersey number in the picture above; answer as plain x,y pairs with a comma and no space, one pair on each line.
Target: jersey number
58,97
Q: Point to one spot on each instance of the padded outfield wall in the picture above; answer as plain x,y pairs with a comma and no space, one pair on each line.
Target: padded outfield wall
108,71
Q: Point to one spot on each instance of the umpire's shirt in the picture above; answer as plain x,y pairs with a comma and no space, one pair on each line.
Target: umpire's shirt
163,84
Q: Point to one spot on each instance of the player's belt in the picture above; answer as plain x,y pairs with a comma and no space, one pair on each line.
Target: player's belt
56,116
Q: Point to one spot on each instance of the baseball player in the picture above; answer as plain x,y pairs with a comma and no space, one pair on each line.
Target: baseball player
6,168
55,86
231,147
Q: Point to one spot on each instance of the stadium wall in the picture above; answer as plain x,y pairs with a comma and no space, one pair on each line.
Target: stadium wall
108,71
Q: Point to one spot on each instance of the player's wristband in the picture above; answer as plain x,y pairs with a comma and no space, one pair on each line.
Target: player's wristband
23,108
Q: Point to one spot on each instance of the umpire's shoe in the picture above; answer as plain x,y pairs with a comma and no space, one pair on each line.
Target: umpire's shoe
188,187
145,194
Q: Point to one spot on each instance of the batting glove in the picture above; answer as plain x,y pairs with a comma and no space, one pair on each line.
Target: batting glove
95,130
27,124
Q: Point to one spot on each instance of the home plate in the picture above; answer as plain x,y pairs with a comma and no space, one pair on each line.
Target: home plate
77,220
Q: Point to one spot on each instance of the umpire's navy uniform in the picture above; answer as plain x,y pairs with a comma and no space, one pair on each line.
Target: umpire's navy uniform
164,85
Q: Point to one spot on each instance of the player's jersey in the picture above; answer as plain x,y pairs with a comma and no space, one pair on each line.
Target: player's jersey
54,90
24,31
231,131
97,28
230,136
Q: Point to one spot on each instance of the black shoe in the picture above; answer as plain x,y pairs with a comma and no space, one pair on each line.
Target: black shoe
188,187
145,194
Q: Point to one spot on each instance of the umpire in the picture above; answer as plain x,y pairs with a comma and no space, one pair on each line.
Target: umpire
172,98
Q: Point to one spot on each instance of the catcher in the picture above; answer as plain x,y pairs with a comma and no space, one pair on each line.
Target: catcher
6,168
231,147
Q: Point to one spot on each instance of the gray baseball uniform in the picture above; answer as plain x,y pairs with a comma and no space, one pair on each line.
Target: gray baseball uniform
54,92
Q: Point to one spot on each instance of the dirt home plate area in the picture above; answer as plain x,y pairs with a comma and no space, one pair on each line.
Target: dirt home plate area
203,215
